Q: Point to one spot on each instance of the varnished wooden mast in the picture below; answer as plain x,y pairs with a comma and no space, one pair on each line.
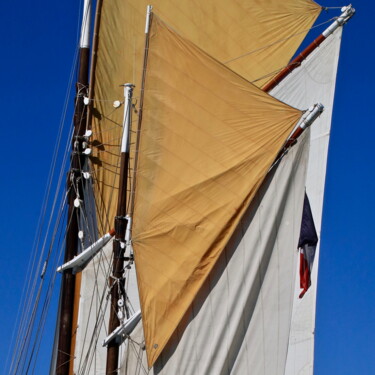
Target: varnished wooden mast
347,13
120,228
120,220
73,186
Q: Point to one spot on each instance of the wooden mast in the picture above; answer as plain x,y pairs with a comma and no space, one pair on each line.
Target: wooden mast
121,223
74,186
121,220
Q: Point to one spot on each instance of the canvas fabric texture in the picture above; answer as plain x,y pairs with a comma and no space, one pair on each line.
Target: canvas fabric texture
314,81
224,29
240,320
93,312
207,140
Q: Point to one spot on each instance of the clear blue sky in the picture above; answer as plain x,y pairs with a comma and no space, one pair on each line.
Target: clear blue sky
37,48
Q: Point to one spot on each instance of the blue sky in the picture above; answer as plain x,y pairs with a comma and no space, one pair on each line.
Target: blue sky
38,45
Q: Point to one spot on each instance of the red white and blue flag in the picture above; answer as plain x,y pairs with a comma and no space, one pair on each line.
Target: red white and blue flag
308,240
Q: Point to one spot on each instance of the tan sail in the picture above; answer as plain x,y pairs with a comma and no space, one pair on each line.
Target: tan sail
225,29
245,304
194,180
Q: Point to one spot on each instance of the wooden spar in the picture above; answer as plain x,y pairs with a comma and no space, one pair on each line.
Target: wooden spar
307,119
283,74
295,63
347,13
68,278
121,223
73,185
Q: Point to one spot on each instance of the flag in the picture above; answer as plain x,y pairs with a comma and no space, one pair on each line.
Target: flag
308,240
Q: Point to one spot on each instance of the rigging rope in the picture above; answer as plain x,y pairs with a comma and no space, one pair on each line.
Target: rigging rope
25,321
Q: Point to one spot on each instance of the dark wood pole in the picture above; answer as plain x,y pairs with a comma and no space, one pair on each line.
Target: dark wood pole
347,13
120,229
295,63
64,355
120,221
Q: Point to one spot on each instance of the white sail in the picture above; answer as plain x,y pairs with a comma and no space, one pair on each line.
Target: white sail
94,312
93,315
314,80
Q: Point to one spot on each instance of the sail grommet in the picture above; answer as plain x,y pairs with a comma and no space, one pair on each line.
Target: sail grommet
156,346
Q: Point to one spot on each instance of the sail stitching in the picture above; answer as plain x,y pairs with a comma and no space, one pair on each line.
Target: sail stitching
277,42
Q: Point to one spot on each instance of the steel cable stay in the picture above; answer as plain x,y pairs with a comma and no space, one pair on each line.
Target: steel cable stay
58,256
25,349
32,284
85,360
100,315
102,204
100,320
51,283
58,225
33,269
91,352
95,293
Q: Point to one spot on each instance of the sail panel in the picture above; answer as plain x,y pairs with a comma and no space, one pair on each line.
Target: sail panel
313,81
225,29
93,315
90,355
239,321
207,140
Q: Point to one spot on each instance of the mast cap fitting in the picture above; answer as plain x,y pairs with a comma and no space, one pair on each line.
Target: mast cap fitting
131,85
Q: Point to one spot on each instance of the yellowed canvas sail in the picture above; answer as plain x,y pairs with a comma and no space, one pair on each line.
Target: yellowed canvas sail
254,38
207,140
